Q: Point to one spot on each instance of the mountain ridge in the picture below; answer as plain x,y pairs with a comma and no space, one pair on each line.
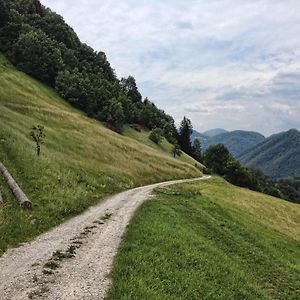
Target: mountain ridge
278,156
237,141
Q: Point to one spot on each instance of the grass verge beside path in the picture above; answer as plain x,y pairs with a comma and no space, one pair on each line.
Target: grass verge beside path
210,240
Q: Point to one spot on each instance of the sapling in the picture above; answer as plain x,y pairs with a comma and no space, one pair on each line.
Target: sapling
38,136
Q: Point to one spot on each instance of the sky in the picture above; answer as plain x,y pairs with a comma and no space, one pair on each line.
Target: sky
232,64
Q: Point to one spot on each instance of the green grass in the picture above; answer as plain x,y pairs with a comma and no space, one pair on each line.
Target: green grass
164,146
210,240
81,161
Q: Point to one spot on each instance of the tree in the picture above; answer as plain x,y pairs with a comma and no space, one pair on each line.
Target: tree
129,87
115,114
216,158
185,132
3,13
147,115
37,55
176,150
156,135
272,191
237,174
169,129
75,87
197,150
37,134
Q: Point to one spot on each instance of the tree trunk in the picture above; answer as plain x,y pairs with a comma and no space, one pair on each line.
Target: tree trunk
1,199
20,196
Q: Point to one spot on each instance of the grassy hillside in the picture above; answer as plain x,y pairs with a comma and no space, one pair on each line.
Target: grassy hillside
278,156
210,240
164,146
81,160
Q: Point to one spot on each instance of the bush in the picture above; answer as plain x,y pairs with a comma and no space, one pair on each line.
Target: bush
176,151
239,175
156,135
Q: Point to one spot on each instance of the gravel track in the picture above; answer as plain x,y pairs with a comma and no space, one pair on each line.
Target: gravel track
87,245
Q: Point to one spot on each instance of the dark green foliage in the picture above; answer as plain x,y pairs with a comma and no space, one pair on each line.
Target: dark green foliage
129,88
74,86
290,189
41,44
156,135
216,159
185,131
272,191
197,152
38,135
240,176
116,115
3,13
37,55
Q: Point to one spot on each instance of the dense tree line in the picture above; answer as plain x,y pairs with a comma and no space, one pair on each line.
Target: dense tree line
41,44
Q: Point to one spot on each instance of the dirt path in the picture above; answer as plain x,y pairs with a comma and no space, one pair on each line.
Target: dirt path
85,247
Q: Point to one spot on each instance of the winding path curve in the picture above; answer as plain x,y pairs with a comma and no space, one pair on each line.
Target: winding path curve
92,239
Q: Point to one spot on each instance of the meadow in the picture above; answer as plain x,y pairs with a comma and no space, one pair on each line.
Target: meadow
210,240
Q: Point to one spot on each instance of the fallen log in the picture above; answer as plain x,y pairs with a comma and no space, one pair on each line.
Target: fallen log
19,194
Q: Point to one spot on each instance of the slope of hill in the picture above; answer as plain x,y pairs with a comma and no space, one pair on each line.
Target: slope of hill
210,240
40,43
165,146
214,132
81,161
236,142
278,156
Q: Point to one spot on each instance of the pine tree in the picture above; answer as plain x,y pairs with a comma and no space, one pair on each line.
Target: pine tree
185,131
197,150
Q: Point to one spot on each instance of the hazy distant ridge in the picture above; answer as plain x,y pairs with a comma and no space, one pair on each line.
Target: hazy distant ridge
278,156
237,141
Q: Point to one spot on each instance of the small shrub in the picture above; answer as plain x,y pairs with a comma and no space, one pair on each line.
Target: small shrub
176,151
156,135
38,135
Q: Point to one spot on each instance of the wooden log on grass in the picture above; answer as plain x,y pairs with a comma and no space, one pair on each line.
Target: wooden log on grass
19,194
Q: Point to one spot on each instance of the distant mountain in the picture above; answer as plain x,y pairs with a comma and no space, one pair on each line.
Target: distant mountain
237,141
203,138
278,156
214,132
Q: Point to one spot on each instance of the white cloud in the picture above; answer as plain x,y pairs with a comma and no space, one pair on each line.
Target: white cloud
236,61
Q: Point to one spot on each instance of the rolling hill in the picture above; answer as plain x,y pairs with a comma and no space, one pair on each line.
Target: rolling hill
236,142
214,132
81,161
278,156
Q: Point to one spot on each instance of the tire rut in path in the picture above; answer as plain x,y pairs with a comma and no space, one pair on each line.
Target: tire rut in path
84,248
